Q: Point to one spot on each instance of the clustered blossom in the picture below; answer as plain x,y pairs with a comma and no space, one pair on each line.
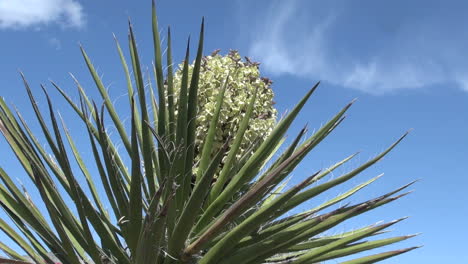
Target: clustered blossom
244,78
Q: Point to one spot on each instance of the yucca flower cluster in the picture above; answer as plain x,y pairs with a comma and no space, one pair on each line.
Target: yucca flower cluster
242,79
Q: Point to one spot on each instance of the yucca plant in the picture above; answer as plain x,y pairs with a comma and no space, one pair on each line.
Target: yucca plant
159,212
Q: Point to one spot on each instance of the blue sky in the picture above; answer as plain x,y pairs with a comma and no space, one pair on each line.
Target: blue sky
405,61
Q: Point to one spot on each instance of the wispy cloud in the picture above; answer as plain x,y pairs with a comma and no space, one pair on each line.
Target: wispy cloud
55,43
19,14
364,49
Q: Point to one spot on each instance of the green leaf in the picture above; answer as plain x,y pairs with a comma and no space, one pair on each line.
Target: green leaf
313,255
378,257
147,144
107,101
170,88
181,136
192,110
135,204
360,247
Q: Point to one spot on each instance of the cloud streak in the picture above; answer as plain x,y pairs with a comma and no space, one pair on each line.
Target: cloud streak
359,49
20,14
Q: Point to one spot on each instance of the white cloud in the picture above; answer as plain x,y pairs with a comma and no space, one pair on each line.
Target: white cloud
289,39
26,13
